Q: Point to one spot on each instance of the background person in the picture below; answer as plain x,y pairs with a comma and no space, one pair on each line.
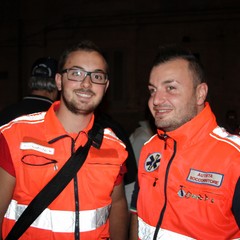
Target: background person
138,137
42,91
142,133
189,185
34,148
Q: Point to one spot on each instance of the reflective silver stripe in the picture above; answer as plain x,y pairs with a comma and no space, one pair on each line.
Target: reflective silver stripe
226,137
146,232
62,221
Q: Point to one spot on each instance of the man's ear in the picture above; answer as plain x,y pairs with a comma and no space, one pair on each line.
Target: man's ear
202,90
58,80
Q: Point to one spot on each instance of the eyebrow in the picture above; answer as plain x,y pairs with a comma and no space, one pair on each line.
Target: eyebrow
96,70
76,67
151,85
166,82
169,81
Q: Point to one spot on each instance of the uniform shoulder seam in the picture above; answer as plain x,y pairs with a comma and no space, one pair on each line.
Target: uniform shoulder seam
222,135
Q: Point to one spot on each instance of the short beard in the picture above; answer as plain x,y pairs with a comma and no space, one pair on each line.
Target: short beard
72,108
173,124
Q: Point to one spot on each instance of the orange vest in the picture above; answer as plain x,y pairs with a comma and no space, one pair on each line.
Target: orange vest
39,147
187,180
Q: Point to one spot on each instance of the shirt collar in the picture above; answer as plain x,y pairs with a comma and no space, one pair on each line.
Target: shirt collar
54,128
196,129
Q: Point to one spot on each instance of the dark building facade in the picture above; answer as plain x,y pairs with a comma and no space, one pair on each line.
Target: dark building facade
129,32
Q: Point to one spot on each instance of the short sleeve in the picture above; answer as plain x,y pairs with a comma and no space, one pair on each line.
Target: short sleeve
5,157
120,177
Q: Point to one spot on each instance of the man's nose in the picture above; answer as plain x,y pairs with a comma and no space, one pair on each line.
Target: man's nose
159,97
87,80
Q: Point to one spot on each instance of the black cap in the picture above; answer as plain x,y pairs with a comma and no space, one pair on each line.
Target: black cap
45,67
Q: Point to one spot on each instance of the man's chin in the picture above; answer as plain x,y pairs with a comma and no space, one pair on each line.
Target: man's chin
164,126
87,110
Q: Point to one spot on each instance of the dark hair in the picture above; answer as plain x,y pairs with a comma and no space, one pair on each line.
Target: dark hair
84,45
43,73
173,52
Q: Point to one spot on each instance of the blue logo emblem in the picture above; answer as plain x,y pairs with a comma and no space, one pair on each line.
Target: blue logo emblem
152,162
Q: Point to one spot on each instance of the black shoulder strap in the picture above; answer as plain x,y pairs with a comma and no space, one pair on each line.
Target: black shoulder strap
57,184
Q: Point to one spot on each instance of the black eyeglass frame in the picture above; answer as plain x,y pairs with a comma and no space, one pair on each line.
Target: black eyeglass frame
86,74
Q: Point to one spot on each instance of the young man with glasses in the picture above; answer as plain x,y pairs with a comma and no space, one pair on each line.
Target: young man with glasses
93,204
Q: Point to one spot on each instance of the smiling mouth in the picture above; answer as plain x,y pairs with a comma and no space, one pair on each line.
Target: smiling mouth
162,112
84,94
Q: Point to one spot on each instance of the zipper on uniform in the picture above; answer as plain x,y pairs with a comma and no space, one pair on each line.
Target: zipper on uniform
55,167
165,191
155,182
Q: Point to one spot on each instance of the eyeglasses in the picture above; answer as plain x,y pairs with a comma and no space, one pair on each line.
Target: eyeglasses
78,75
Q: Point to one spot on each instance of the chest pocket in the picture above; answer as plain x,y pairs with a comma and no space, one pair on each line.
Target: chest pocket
37,161
35,170
101,170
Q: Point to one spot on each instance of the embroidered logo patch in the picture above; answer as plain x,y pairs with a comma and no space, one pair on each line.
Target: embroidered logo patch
152,162
209,178
189,195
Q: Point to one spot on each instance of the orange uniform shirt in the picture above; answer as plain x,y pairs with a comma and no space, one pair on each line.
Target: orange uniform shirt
37,146
189,182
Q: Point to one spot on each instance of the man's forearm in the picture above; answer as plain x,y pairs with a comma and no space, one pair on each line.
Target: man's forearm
133,231
119,223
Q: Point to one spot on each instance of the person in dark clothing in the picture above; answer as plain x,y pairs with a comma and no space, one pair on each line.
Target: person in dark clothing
42,88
